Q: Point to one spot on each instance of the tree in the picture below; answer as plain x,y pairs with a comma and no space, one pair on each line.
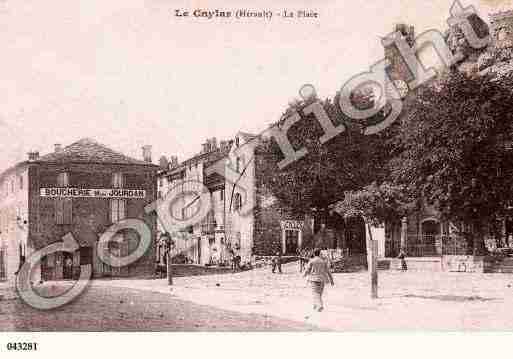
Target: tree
377,204
452,151
346,163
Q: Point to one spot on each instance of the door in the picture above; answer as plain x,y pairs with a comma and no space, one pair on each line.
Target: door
67,272
291,241
430,231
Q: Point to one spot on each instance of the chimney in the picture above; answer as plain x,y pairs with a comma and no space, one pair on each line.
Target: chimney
146,152
173,162
164,163
407,31
213,144
58,147
205,147
33,156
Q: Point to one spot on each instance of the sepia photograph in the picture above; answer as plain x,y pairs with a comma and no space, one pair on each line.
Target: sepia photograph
276,168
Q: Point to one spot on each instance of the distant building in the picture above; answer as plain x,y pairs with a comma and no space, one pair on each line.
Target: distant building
81,189
424,233
502,29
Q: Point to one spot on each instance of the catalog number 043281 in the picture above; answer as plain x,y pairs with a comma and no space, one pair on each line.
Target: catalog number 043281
19,346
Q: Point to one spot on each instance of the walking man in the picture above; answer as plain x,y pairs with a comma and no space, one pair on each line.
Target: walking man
318,274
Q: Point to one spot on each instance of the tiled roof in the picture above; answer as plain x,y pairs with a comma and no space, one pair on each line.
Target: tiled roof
207,158
247,136
89,151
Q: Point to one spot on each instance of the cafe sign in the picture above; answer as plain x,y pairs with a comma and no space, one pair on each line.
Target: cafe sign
292,225
93,193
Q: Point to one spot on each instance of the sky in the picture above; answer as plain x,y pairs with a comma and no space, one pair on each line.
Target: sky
129,73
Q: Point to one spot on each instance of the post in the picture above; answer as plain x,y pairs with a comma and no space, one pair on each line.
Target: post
404,233
169,269
372,261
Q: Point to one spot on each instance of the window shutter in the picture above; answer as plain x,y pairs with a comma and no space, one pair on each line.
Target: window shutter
68,211
114,210
59,211
121,209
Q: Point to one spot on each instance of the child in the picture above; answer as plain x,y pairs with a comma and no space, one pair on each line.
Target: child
402,257
277,262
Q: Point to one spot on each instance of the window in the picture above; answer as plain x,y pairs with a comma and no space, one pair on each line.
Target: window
117,180
502,34
237,164
63,206
63,179
117,210
86,255
20,179
238,202
63,211
221,195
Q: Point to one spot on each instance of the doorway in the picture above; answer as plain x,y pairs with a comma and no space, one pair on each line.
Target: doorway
67,270
430,230
291,241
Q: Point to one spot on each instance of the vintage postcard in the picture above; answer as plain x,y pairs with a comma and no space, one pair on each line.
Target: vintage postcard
270,166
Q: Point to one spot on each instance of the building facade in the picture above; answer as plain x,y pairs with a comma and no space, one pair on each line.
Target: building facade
82,189
245,219
202,242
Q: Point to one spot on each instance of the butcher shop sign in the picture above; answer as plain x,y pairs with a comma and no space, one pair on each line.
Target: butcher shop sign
292,225
93,193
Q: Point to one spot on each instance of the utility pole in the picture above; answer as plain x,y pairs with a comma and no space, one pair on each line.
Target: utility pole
169,269
372,262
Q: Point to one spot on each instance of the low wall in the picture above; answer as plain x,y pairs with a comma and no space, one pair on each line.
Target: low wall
467,263
446,263
429,264
187,270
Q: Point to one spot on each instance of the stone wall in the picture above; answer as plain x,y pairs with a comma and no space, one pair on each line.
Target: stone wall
267,231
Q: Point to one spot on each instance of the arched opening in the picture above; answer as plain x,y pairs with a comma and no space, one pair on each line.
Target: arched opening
355,235
430,230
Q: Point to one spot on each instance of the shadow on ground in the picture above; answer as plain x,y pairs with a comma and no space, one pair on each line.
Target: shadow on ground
451,298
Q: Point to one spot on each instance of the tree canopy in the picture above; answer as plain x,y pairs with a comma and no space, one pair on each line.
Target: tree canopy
348,162
453,149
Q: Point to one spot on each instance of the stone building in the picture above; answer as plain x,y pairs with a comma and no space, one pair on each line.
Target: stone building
81,189
203,241
502,29
256,223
